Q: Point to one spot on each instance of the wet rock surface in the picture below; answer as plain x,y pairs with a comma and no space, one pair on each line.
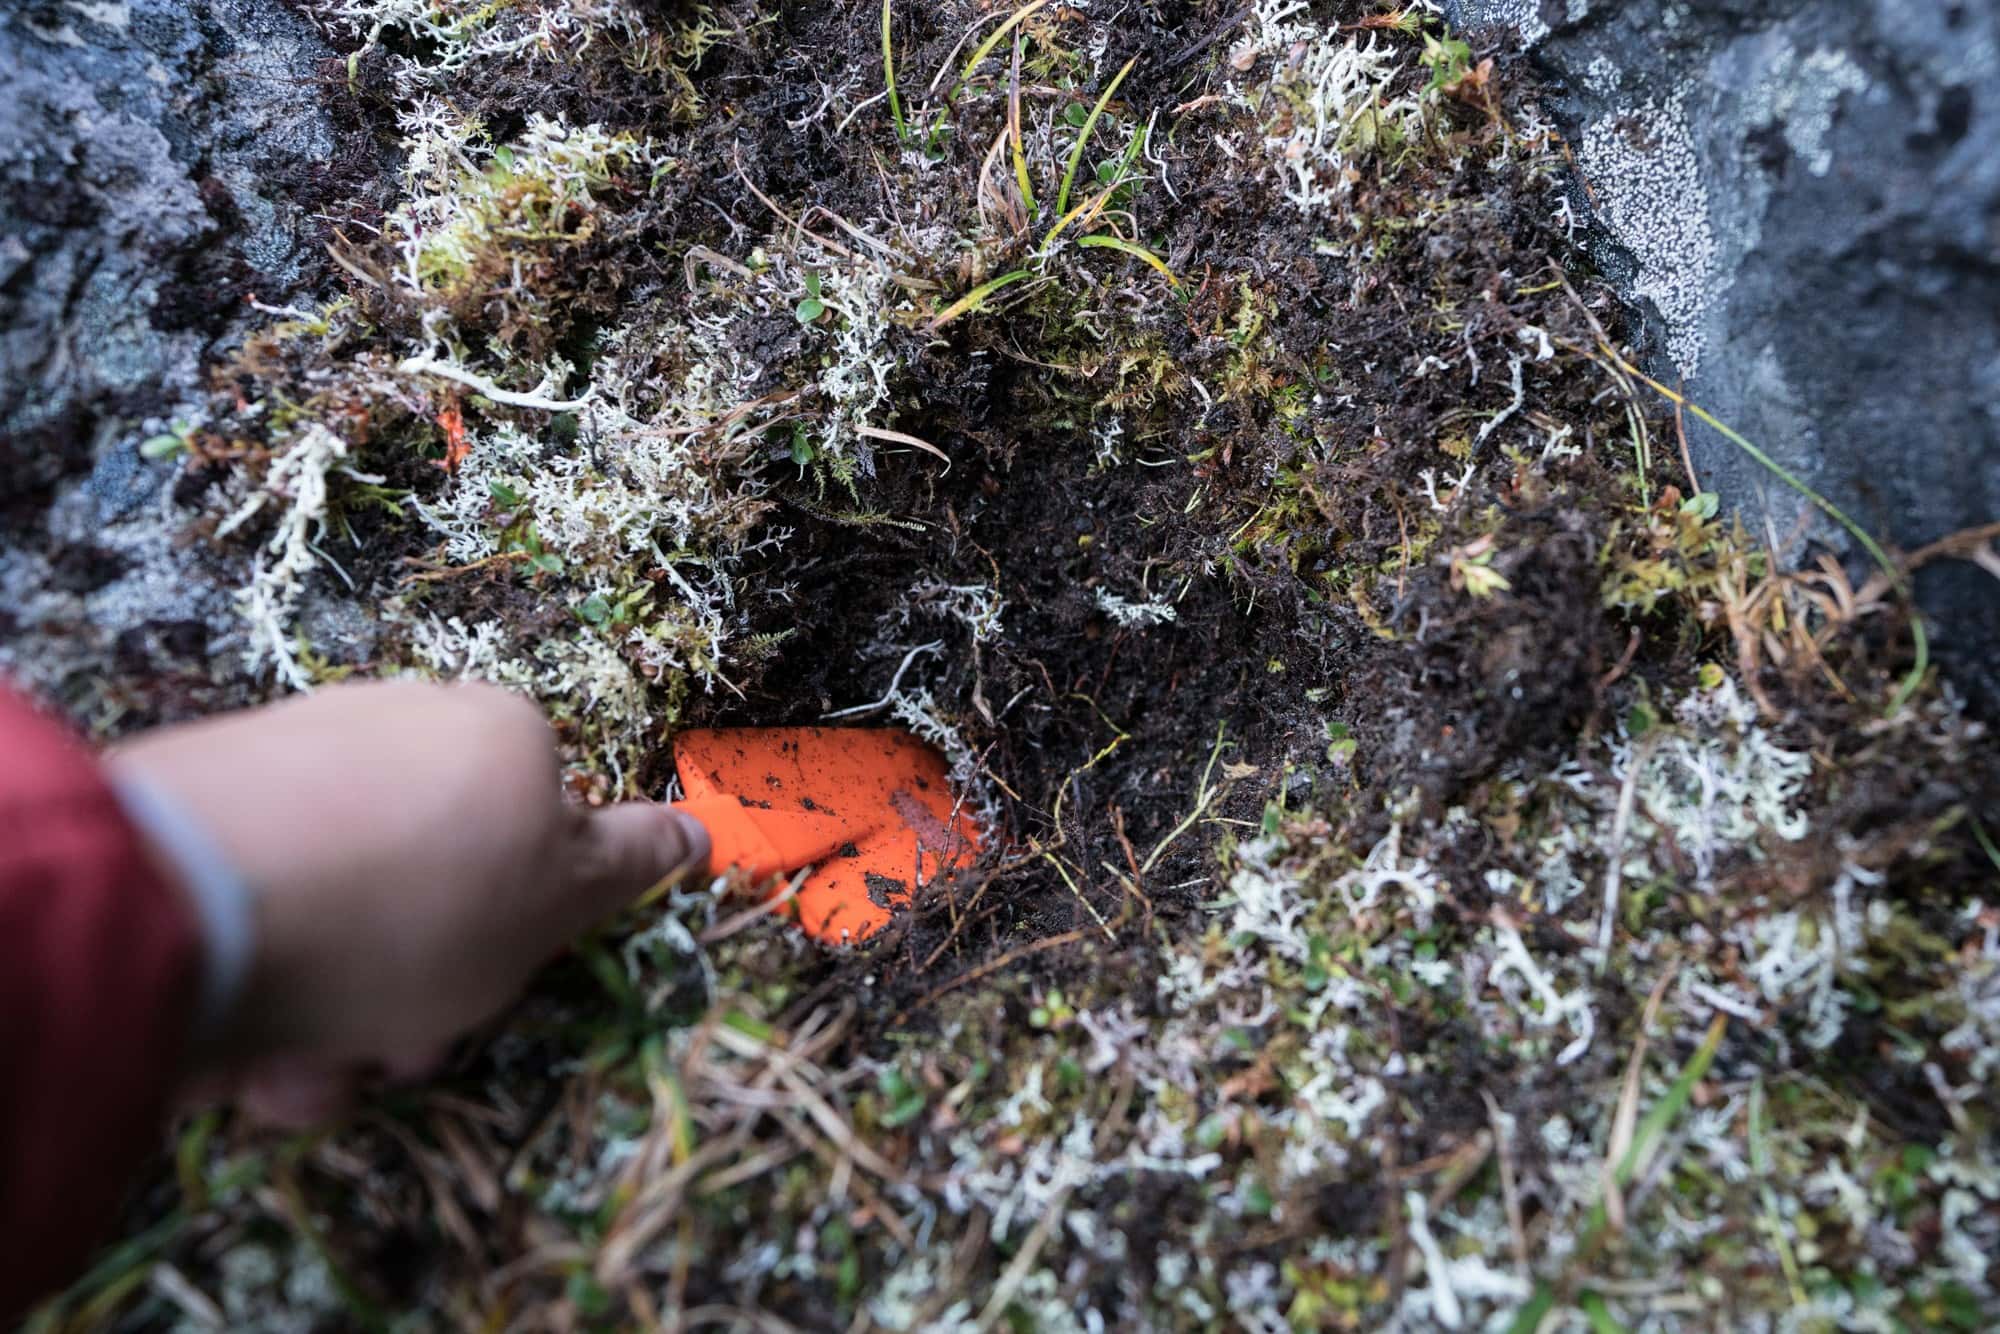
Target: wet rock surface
1802,199
162,165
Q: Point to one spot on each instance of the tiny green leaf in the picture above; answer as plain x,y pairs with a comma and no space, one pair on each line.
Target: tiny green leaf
1702,504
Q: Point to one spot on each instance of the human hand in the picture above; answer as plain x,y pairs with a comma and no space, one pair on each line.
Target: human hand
410,862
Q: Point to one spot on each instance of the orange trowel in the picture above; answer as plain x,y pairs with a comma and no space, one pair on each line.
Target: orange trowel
870,810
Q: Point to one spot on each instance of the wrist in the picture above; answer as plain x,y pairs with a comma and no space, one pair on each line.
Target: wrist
217,897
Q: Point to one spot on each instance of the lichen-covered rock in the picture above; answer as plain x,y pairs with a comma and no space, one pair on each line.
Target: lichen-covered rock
151,159
1803,198
162,166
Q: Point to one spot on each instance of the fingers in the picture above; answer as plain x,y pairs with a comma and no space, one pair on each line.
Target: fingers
412,862
619,852
302,1093
298,1095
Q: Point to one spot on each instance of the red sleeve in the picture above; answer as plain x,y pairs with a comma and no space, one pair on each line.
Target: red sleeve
99,959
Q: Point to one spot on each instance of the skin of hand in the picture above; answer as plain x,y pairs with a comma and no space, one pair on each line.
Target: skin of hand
411,862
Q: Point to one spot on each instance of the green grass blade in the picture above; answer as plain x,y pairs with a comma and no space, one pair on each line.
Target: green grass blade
889,77
974,299
1986,842
1087,210
1645,1140
987,47
1529,1318
984,49
1014,133
1132,248
1653,1125
1132,151
1083,135
1598,1314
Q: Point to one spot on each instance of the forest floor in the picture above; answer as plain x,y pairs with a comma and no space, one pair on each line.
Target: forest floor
1443,870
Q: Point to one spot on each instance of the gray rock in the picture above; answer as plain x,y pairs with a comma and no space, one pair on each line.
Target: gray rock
162,163
150,164
1802,200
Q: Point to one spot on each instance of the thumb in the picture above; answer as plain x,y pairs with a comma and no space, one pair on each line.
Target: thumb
624,850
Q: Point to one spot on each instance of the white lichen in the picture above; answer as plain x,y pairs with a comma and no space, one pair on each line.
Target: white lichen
1649,188
297,481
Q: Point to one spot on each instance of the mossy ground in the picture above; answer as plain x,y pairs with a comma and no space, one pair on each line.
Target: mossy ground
1445,872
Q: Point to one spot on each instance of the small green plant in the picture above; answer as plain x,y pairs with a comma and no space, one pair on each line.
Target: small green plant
176,440
1919,639
529,543
812,307
1408,22
1449,59
1472,569
1116,177
801,447
903,1098
1053,1012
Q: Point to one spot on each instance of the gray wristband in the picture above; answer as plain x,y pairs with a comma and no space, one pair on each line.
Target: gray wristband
220,896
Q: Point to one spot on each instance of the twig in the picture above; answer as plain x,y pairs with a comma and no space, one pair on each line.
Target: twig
1089,907
1687,455
1024,1259
889,695
736,922
764,199
992,966
1626,1119
1614,873
479,384
1203,796
1510,1190
965,913
1131,858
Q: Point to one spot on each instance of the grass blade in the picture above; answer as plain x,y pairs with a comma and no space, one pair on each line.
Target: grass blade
993,40
1083,134
1088,211
1986,842
1652,1128
935,138
974,299
1598,1314
904,438
889,77
1662,1113
1132,248
1529,1318
1014,132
